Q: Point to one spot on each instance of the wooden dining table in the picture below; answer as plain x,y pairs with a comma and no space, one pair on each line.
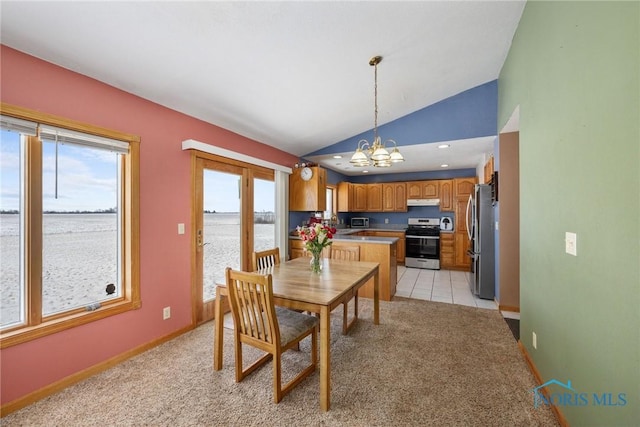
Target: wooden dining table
296,287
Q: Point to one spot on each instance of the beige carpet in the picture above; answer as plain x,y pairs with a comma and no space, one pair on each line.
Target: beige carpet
427,363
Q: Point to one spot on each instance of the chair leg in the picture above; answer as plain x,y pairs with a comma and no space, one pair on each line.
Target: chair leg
238,354
277,378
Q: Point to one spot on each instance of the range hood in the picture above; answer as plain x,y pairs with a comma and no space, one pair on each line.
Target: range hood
423,202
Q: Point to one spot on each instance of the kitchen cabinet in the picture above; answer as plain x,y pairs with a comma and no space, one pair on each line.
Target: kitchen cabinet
353,197
488,170
374,197
423,189
447,252
461,214
345,197
296,249
384,254
394,197
462,261
401,249
308,195
359,198
446,195
464,186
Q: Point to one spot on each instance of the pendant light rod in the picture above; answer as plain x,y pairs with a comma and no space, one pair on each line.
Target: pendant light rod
376,151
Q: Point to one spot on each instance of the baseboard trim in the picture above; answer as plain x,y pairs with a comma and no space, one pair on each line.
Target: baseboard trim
508,308
556,411
57,386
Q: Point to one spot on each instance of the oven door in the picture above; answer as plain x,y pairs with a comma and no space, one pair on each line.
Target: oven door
423,247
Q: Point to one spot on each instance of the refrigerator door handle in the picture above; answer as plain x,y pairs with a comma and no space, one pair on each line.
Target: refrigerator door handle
467,217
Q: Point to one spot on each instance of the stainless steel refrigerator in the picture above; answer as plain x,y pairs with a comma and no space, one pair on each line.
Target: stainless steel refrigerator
481,234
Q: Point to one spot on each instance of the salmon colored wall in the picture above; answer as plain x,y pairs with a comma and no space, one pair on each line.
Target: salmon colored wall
165,201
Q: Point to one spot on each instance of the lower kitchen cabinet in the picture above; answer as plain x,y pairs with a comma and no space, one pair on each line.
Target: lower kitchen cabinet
462,259
447,253
401,250
384,254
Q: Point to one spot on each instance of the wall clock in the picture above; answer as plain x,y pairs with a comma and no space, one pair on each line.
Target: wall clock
306,174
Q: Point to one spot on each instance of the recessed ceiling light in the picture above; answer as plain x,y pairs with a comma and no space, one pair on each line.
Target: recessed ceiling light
444,146
337,156
444,165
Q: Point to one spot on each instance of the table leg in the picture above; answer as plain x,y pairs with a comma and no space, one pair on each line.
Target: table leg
325,358
376,298
218,325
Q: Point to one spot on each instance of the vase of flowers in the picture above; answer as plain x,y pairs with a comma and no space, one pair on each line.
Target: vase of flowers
315,238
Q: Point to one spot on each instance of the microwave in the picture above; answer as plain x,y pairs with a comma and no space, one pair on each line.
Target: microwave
360,222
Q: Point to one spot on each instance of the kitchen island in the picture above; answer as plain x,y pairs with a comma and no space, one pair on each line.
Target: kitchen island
372,248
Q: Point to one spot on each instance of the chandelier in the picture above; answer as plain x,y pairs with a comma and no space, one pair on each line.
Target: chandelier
376,153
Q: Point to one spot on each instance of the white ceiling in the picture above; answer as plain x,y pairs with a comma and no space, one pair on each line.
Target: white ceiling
293,75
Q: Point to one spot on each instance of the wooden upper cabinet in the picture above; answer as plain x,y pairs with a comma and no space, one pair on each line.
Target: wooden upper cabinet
401,197
414,189
374,197
446,195
423,189
388,198
394,197
308,195
464,186
345,197
430,189
488,170
359,198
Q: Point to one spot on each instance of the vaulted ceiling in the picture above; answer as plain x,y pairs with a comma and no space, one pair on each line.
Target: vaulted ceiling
293,75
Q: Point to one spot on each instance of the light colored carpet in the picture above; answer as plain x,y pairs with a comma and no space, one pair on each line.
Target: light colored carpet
427,363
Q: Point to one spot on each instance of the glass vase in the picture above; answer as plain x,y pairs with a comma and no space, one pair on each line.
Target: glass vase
316,261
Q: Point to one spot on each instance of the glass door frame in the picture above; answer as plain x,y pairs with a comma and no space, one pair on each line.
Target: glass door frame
203,311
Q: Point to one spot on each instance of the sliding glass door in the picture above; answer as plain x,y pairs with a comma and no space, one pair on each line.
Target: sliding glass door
234,215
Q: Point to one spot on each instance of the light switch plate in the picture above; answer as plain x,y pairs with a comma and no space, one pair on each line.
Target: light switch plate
571,243
181,228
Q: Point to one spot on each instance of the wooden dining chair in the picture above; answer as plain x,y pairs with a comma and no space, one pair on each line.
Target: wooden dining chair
347,253
265,259
259,323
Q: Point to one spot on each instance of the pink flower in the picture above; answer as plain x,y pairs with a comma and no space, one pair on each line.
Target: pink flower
316,237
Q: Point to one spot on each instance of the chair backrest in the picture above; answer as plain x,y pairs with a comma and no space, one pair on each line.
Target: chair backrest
265,259
252,307
347,253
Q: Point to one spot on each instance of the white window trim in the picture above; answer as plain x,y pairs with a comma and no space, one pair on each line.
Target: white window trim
192,144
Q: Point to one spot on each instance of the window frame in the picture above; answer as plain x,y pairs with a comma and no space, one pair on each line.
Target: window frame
35,325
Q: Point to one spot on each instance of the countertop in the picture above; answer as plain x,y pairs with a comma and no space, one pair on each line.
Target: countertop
344,235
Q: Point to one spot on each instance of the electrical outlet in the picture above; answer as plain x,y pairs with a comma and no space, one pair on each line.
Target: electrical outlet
166,313
386,220
534,340
571,243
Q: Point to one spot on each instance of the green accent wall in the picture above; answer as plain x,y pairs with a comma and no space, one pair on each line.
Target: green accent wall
574,70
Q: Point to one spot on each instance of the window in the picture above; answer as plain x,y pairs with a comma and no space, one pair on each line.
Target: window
69,224
331,194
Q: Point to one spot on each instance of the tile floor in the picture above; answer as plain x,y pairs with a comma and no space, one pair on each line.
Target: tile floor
439,285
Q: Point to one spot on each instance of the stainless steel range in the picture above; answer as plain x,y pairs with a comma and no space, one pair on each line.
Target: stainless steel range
423,243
